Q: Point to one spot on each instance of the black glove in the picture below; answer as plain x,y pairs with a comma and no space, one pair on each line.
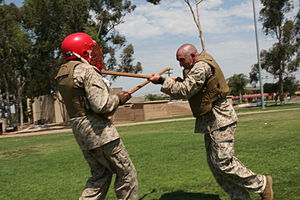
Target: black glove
179,79
123,97
157,79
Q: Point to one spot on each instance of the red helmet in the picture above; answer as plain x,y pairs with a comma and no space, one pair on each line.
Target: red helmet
81,45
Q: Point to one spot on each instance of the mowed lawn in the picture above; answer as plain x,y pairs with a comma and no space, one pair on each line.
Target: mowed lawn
169,157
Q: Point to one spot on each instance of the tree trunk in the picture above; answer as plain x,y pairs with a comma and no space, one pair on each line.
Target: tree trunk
21,113
280,83
2,106
196,18
7,103
19,101
241,97
29,111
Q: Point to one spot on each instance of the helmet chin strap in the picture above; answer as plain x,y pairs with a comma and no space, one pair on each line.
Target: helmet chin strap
106,81
81,58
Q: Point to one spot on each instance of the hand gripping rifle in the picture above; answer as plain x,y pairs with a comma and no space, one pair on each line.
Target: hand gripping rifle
110,115
146,82
135,76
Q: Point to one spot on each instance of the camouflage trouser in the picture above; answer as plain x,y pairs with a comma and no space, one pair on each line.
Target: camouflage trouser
104,162
228,171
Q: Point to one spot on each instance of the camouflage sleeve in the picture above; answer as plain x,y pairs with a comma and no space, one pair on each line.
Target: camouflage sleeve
190,85
97,91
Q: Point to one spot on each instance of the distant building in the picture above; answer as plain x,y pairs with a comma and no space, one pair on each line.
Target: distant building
3,124
151,110
50,109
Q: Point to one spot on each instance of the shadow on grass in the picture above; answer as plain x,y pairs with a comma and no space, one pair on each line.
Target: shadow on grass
181,195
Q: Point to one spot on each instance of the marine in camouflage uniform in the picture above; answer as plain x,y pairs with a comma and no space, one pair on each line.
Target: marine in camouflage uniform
205,87
88,103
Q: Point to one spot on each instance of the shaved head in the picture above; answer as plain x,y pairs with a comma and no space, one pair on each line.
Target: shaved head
186,55
187,49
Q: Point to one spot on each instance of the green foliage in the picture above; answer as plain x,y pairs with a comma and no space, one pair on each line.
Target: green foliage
169,158
297,19
47,22
156,97
253,75
237,84
272,15
14,48
270,87
290,85
127,60
109,14
283,58
31,37
155,2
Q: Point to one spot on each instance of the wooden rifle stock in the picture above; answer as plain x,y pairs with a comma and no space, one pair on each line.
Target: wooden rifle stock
110,115
125,74
146,82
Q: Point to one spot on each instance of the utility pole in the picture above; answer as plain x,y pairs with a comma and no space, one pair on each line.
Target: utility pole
258,59
169,72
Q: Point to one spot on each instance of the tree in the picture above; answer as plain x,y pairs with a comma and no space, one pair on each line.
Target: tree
108,15
298,28
290,86
156,97
31,38
283,58
271,87
237,84
49,22
196,19
127,60
253,75
155,2
14,49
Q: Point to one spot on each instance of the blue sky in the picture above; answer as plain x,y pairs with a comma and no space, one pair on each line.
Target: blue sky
157,31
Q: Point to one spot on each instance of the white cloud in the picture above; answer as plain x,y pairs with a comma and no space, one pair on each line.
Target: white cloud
209,4
157,31
244,10
150,21
175,18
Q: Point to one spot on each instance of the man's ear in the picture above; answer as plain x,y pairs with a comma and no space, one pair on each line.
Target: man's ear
193,56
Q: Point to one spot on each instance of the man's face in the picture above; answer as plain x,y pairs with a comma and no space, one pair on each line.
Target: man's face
185,61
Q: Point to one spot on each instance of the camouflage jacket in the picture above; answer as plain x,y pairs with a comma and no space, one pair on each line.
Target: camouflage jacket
94,130
222,113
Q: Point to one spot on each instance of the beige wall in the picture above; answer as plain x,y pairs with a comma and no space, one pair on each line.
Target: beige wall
49,109
152,110
166,109
179,108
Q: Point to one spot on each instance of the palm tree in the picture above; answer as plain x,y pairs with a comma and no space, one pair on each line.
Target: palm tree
237,84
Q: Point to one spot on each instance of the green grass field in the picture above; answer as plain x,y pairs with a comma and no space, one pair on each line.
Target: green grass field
169,157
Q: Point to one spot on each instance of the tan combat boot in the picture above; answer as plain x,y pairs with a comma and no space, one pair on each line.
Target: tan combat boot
268,192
